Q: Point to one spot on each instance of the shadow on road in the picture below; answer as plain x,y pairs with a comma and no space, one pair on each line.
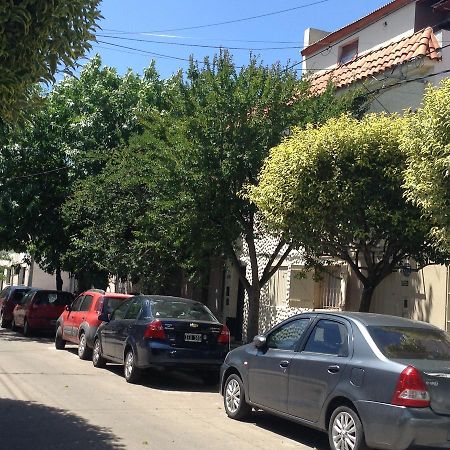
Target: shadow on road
303,435
17,336
28,425
165,380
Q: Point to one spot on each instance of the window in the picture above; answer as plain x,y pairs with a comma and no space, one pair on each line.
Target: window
179,309
17,295
77,303
53,298
134,310
303,290
328,337
287,336
86,303
347,52
277,287
411,343
26,299
119,312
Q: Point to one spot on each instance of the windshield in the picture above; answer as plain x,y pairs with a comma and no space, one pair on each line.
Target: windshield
411,342
177,309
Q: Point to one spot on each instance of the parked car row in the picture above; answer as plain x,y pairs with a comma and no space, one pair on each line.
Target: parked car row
368,380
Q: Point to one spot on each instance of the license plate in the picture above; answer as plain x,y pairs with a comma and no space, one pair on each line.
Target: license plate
192,337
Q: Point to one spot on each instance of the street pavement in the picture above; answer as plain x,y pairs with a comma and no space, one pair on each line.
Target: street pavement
50,399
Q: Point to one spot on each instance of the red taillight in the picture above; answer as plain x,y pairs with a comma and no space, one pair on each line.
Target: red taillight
155,330
411,390
224,336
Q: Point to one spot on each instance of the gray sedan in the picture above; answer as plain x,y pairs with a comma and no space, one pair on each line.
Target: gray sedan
369,380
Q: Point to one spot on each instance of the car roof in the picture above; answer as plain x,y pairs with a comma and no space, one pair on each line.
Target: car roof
115,295
372,319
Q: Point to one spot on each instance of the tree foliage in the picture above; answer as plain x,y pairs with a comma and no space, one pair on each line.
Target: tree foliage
36,38
337,191
426,139
80,123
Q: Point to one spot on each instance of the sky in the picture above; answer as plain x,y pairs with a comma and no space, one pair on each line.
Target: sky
136,31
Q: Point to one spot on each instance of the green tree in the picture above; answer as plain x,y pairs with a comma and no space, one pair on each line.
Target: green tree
38,37
80,123
232,117
426,139
337,191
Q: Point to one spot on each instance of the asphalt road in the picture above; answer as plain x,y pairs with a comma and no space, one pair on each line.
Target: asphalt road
51,399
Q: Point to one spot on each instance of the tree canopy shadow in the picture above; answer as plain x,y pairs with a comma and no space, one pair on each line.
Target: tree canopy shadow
169,380
17,336
29,425
301,434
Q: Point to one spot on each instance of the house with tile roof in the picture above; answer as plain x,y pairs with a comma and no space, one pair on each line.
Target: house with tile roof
392,53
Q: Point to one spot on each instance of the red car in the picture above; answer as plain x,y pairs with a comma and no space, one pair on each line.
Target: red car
39,309
79,322
9,297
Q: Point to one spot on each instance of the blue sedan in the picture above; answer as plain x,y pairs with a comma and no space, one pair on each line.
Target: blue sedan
158,331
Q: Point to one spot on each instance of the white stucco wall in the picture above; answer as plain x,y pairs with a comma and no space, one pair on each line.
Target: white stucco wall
390,28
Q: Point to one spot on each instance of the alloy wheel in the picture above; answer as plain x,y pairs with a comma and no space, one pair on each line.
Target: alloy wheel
344,432
82,345
233,396
129,365
96,354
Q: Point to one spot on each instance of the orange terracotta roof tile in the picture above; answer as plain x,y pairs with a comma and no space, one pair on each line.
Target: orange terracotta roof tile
419,45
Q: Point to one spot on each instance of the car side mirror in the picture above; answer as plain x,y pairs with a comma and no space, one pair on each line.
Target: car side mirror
104,317
259,341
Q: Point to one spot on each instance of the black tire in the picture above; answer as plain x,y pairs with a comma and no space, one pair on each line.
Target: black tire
345,424
234,400
84,352
211,377
13,325
60,343
3,322
131,372
97,358
27,329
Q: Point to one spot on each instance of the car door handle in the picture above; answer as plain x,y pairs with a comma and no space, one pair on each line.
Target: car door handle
284,364
333,369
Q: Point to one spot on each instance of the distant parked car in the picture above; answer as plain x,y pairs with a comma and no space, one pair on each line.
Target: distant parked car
368,380
9,297
157,331
39,309
79,322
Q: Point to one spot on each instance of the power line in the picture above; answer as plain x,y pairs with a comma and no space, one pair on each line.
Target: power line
196,27
196,45
36,174
174,36
161,55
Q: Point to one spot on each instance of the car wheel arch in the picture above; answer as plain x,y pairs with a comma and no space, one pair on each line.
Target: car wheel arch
335,403
230,371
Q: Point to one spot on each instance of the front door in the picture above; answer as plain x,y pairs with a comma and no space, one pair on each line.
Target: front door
70,317
269,367
109,331
315,371
80,316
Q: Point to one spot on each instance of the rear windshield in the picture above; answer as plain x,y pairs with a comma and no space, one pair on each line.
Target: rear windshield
176,309
411,343
53,298
111,303
18,295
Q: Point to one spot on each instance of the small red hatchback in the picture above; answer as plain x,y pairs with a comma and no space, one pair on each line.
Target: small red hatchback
79,322
39,309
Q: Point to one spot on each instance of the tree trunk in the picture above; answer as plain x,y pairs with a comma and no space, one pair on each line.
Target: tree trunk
366,298
59,280
253,312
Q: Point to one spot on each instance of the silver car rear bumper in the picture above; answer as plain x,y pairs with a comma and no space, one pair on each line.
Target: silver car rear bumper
396,427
